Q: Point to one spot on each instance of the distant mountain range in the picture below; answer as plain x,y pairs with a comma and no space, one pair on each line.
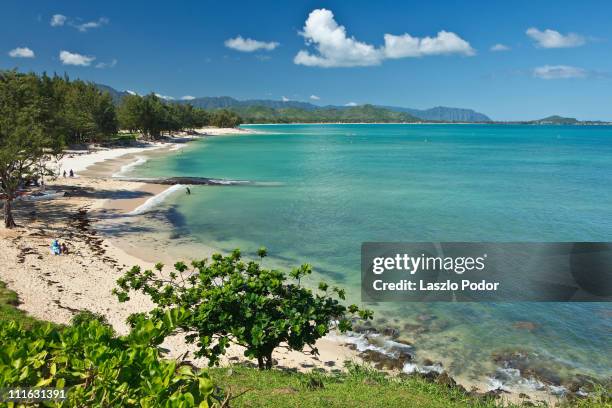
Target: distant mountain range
264,110
558,120
437,114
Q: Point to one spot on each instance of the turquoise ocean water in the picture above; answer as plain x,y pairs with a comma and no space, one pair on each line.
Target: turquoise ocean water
322,190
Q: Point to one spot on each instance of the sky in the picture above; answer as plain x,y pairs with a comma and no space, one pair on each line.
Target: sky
510,60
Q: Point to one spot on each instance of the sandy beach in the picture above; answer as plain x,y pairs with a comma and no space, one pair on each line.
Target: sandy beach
55,288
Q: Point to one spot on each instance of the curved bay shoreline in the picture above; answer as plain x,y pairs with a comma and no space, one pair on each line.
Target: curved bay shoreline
57,287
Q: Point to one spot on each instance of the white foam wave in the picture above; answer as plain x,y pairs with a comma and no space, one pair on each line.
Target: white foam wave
379,343
410,368
155,200
125,168
510,379
178,146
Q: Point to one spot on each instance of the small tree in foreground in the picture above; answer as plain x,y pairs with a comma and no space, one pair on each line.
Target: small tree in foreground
234,302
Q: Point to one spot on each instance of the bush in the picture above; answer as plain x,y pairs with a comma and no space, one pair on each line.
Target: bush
230,301
99,368
86,316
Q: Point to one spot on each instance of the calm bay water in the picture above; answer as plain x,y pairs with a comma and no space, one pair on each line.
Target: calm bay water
322,190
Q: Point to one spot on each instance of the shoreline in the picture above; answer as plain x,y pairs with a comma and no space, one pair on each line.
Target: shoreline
108,259
57,287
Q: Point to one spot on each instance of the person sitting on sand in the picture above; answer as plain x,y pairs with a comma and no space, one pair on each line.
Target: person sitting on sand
64,248
71,173
55,247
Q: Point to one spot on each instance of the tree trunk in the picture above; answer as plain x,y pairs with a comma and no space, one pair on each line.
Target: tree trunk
260,362
269,361
9,222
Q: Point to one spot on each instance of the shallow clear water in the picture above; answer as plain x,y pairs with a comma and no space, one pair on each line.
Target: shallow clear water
322,190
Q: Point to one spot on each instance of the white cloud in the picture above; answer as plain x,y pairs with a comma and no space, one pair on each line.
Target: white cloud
70,58
21,52
285,99
249,45
499,47
83,27
402,46
334,48
104,65
57,20
351,104
554,39
188,98
315,97
166,97
559,72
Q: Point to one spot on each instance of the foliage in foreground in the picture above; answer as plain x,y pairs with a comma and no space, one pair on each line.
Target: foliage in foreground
230,301
100,368
8,308
361,386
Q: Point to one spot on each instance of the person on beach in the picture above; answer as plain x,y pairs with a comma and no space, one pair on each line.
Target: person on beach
64,173
71,173
64,248
188,191
55,247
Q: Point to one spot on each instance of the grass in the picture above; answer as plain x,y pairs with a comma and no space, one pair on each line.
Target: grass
359,387
9,311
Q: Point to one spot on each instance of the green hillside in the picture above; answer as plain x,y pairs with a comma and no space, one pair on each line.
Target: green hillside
353,114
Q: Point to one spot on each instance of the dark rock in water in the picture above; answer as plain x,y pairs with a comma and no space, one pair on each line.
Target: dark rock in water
194,181
391,332
383,361
364,328
521,360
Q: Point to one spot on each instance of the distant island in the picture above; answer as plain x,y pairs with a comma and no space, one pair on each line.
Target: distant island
256,111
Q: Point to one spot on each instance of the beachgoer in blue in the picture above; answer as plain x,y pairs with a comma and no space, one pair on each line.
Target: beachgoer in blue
55,247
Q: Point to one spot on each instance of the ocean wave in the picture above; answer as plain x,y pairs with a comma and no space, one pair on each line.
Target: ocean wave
155,200
510,379
379,343
229,182
125,168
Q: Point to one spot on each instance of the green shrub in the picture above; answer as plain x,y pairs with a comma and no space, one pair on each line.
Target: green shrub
100,369
86,316
230,301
